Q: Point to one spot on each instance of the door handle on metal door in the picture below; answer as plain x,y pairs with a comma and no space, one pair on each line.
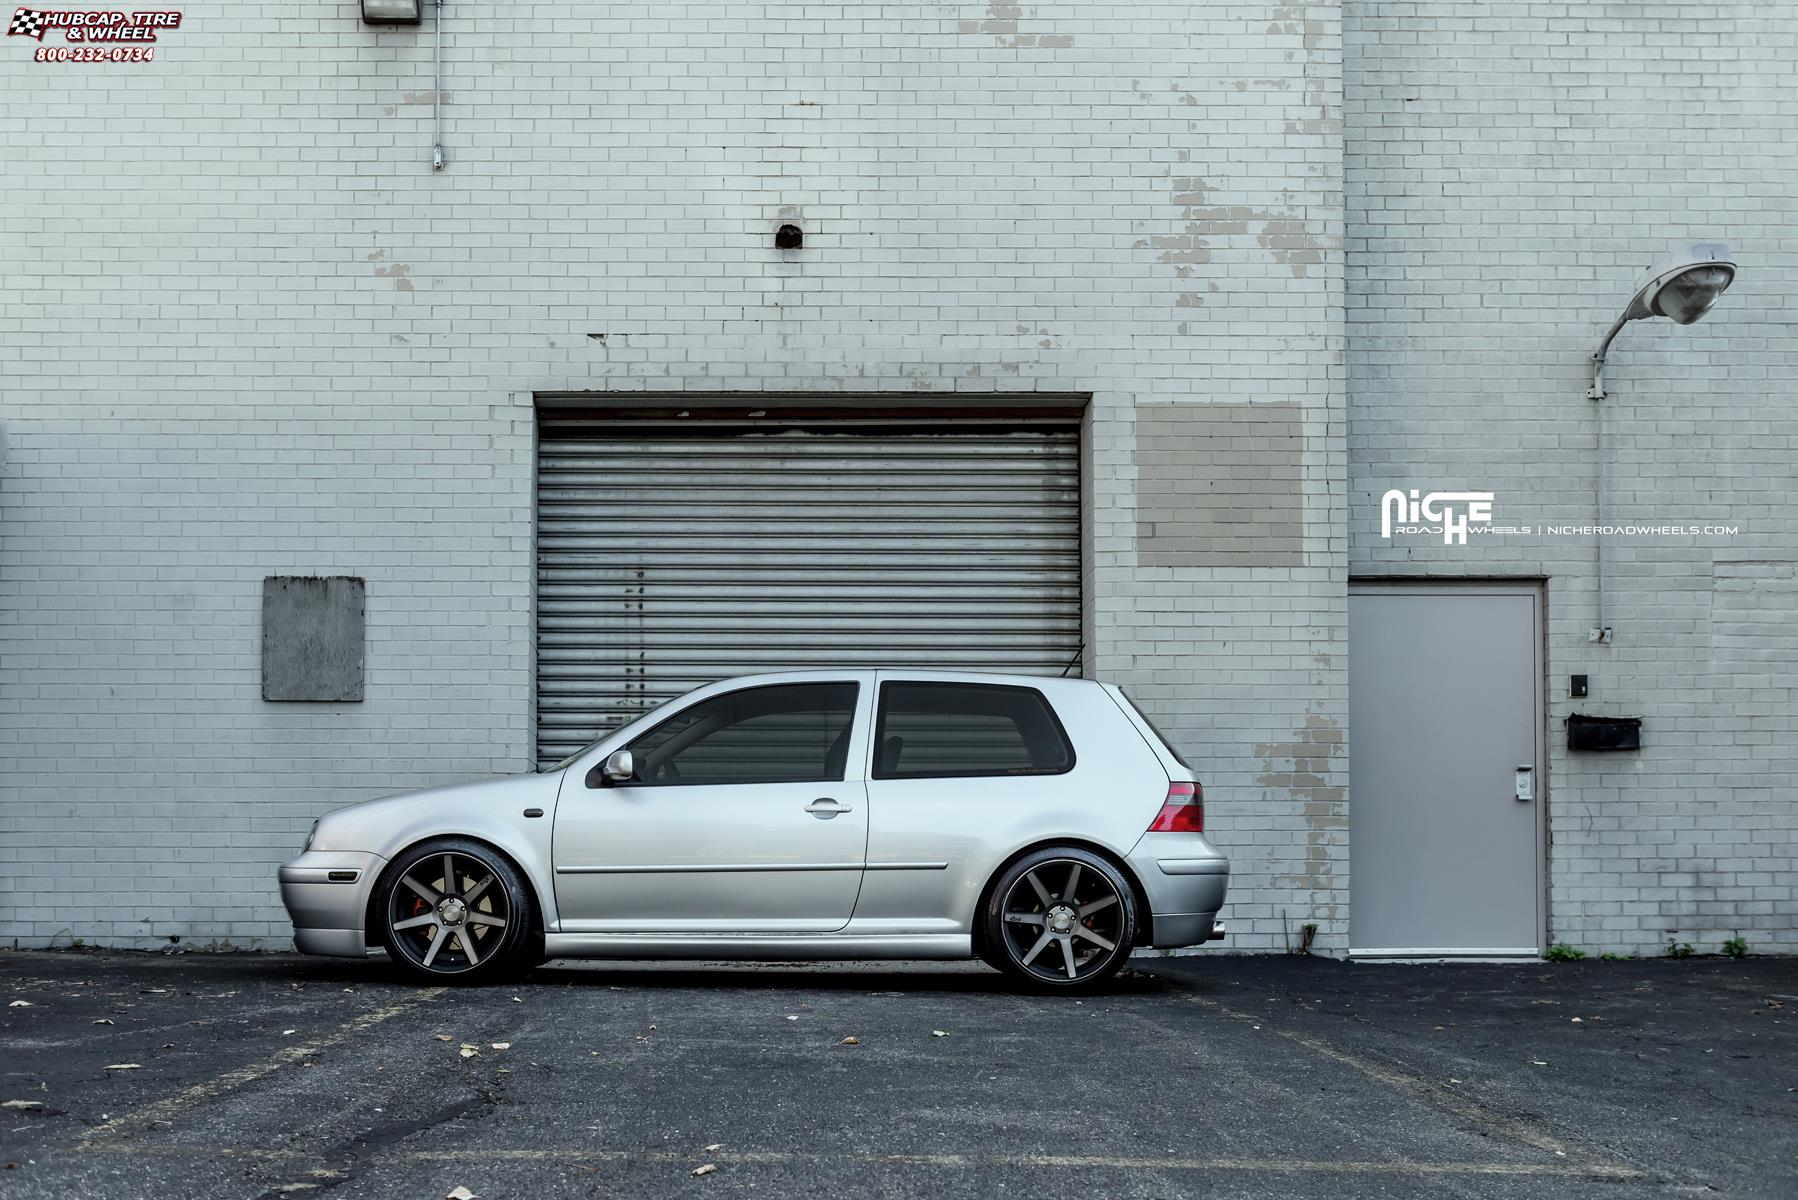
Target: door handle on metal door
1525,786
824,808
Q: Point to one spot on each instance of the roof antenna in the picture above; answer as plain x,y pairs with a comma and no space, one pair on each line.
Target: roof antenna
1073,660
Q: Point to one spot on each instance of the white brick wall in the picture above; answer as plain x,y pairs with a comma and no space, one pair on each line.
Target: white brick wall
247,331
1510,170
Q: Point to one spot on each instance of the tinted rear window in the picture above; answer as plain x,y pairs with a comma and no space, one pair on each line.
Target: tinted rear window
930,730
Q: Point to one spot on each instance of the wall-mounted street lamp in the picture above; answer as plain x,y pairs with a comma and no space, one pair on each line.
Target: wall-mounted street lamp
392,12
1682,289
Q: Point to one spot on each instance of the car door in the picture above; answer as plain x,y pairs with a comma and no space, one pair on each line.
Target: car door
747,813
964,770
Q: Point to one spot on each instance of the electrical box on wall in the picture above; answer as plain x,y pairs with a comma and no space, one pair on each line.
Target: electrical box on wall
1603,733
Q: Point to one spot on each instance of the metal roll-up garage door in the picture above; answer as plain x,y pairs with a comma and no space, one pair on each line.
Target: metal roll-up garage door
671,556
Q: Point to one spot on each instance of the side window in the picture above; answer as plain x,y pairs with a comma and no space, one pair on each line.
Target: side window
789,733
929,730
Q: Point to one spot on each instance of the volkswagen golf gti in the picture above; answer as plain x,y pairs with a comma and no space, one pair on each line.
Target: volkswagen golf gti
1043,825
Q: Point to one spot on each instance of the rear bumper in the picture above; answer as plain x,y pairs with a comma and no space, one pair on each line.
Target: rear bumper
1186,880
326,894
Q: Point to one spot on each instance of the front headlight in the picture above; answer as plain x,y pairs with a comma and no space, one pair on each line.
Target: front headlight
310,834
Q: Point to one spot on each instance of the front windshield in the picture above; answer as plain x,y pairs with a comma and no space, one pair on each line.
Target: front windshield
629,720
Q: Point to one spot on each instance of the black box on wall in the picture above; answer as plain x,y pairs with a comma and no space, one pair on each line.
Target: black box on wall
1603,733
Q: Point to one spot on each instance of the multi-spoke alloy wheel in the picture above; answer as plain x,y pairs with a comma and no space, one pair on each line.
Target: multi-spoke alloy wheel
455,909
1061,918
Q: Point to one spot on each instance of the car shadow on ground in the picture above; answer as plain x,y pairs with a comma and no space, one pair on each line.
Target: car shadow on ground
961,978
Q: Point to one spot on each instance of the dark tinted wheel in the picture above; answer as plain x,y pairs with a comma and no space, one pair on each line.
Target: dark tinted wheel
453,911
1062,919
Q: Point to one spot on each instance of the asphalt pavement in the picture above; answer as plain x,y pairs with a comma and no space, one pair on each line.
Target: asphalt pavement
195,1075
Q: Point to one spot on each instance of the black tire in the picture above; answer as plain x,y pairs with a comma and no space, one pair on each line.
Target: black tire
481,929
1031,915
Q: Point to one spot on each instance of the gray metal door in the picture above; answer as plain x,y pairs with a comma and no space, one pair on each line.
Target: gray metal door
670,557
1445,688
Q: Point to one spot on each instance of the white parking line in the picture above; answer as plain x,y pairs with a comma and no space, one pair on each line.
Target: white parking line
957,1161
1470,1110
164,1110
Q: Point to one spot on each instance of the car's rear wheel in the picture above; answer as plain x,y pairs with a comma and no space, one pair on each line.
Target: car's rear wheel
1061,919
454,911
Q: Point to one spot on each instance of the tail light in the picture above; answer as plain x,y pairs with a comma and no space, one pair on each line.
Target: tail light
1183,811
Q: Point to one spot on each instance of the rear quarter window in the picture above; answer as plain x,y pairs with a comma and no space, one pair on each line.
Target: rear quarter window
1155,729
937,730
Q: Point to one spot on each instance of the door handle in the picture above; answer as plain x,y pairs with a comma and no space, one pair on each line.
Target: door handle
1525,786
824,808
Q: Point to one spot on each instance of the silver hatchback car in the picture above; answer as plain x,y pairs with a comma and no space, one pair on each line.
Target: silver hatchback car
1042,825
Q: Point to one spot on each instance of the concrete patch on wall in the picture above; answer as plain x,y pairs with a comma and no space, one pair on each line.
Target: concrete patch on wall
1219,485
312,637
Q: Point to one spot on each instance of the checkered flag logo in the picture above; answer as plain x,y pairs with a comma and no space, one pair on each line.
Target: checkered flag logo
28,22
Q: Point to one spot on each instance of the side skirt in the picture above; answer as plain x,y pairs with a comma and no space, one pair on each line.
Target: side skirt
773,947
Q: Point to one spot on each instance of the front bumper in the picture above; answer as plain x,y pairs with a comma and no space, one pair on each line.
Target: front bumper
1186,879
326,894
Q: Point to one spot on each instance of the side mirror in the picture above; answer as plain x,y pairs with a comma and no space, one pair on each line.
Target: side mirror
619,767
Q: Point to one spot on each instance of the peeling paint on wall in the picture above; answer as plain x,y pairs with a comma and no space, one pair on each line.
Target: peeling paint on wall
1001,22
397,272
1298,772
1294,237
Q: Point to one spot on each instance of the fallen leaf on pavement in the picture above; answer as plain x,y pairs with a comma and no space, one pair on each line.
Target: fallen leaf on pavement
443,1037
502,1045
459,1193
468,1051
21,1104
714,1146
705,1170
104,1021
288,1032
852,1041
939,1033
516,1000
20,1004
792,1017
123,1066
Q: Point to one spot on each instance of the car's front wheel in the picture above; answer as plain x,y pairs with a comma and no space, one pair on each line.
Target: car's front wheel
1061,919
453,911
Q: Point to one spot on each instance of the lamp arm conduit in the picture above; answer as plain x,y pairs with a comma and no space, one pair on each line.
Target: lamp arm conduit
1596,391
